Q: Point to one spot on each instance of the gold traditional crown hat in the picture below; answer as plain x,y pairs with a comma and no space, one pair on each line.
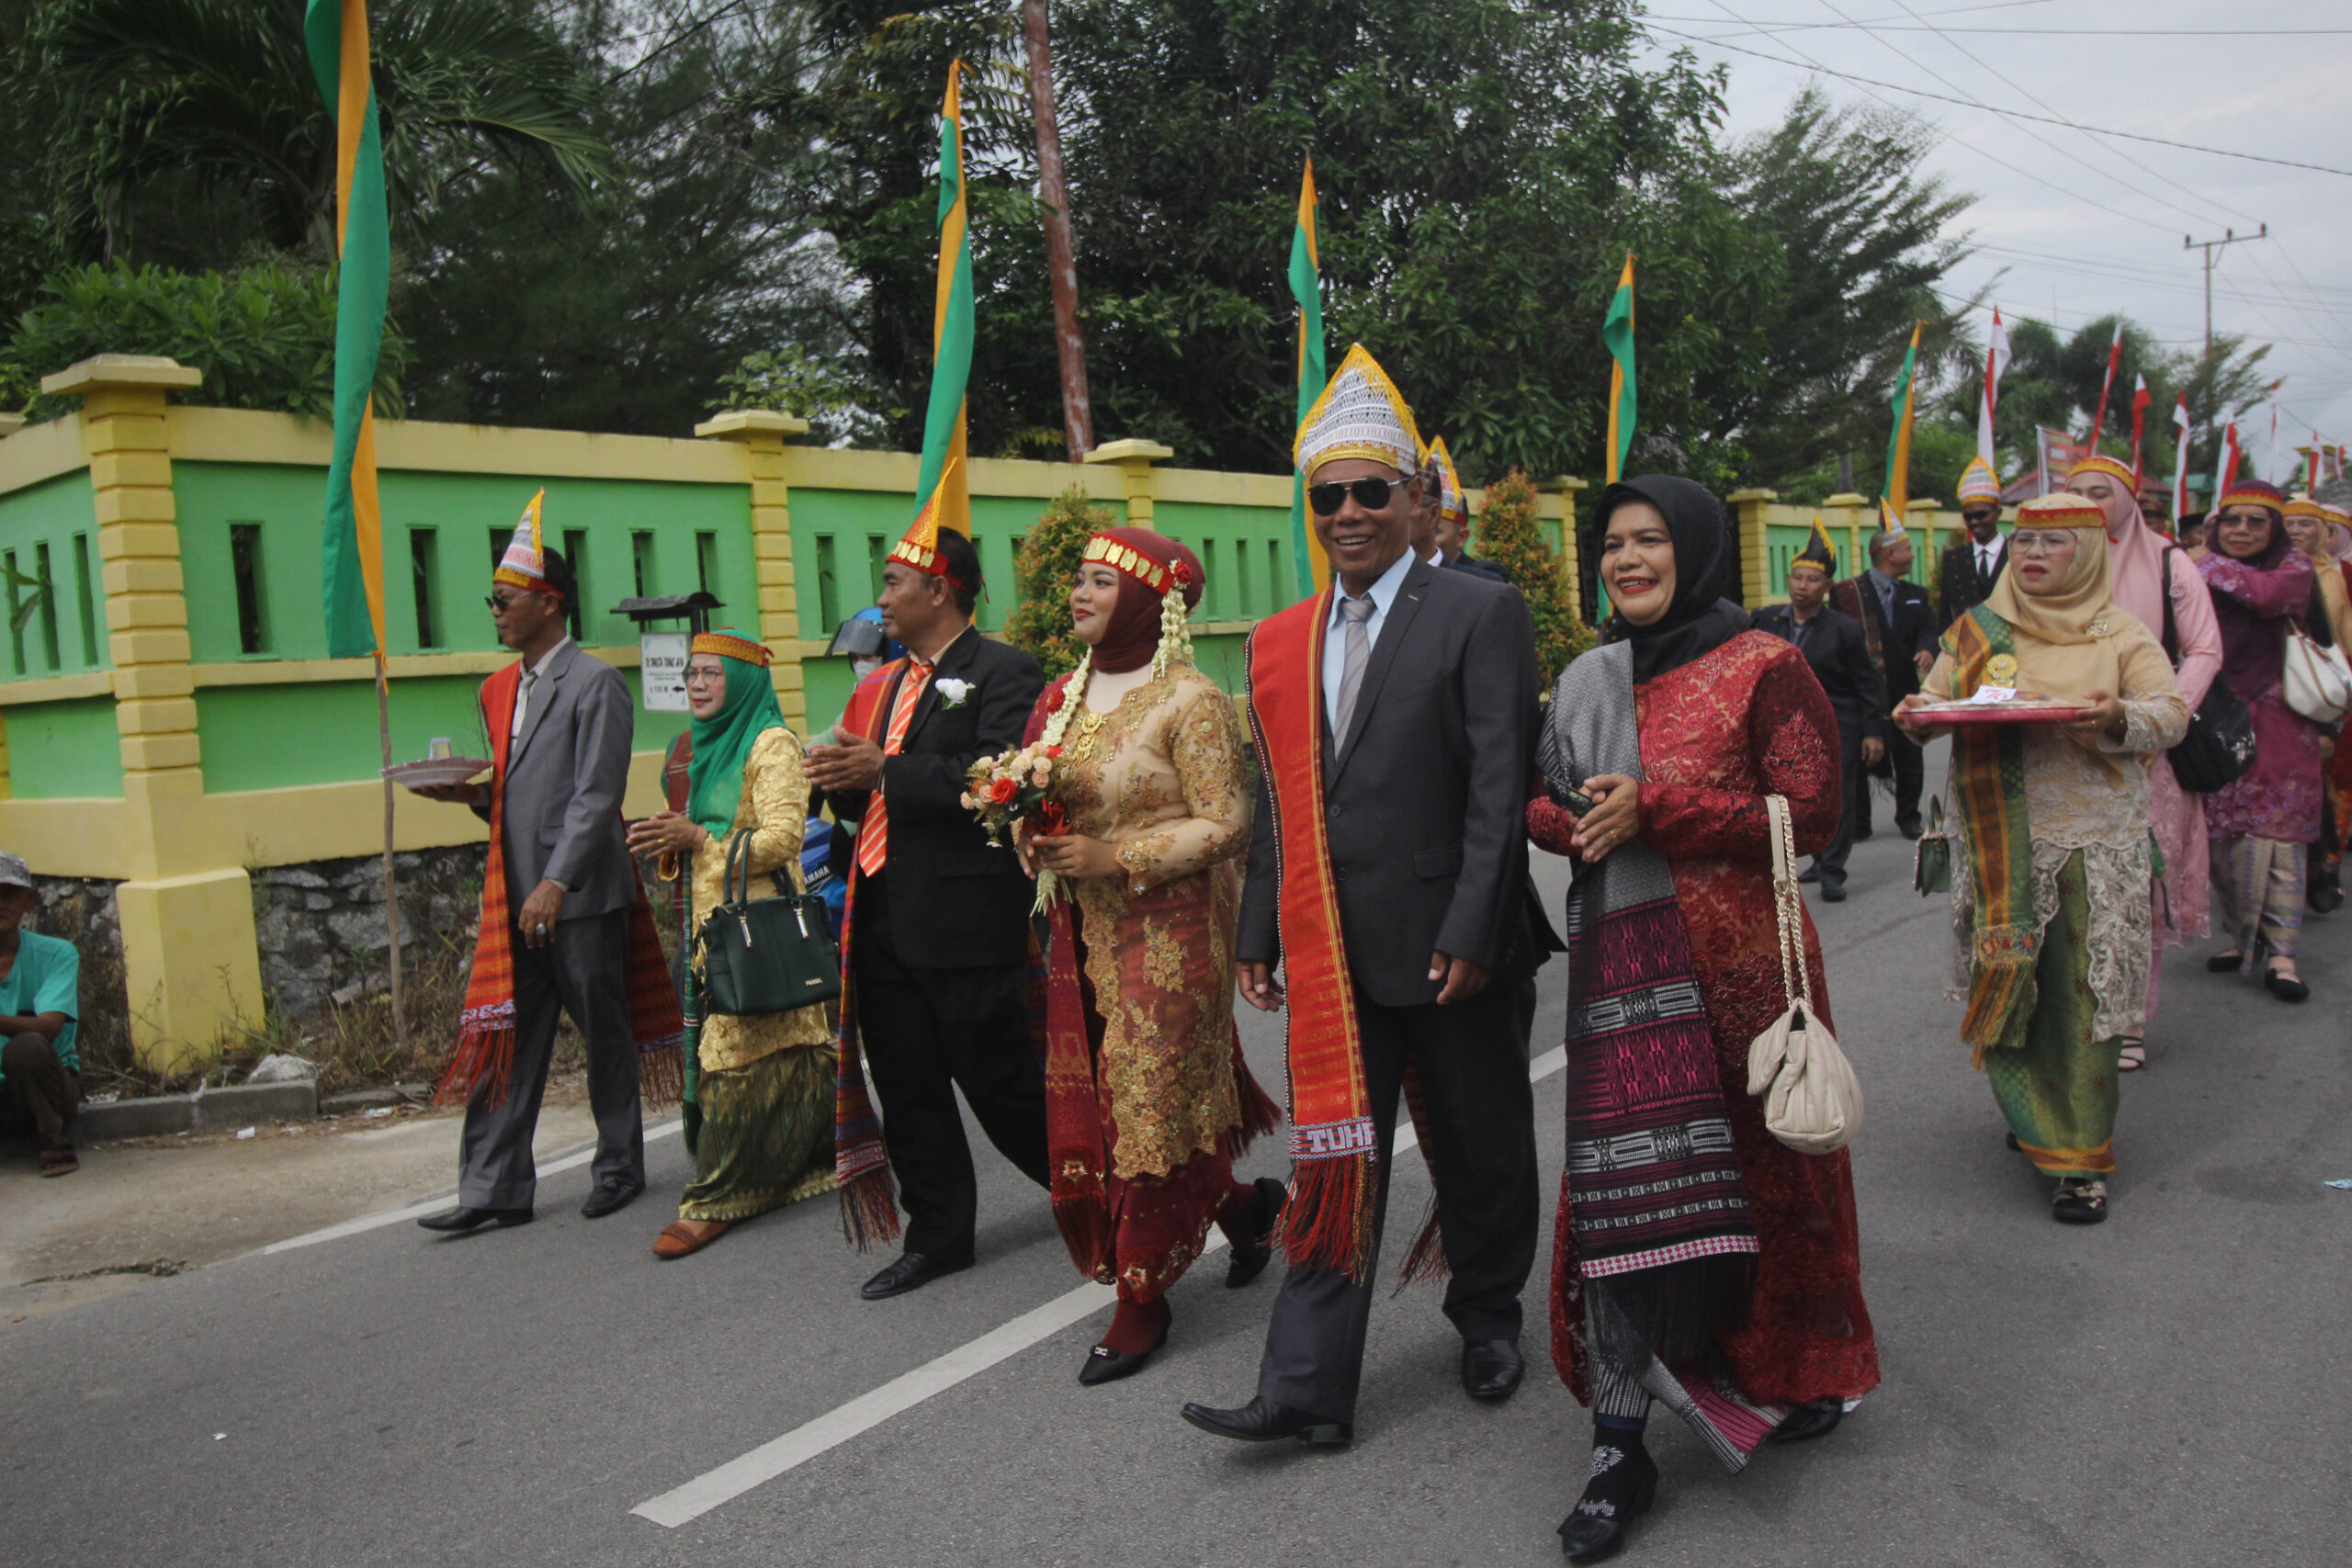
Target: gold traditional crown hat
1360,414
919,547
1979,482
1450,503
1889,523
525,565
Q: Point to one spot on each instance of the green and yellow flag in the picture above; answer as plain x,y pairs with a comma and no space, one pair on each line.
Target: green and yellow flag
336,32
944,482
1307,288
1897,493
1617,333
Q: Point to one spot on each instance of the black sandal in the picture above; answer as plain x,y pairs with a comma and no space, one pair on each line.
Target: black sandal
2282,987
1817,1419
2081,1200
2225,962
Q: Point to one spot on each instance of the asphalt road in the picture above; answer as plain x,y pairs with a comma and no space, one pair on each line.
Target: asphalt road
2167,1388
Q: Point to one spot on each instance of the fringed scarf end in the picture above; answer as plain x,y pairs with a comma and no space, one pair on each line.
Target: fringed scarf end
1427,1260
1084,1220
484,1062
661,1075
1326,1224
869,1208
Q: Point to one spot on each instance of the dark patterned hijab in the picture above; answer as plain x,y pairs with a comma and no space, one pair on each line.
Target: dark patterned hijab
1699,620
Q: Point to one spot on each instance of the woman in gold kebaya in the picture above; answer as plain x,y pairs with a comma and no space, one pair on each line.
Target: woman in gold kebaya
1148,1100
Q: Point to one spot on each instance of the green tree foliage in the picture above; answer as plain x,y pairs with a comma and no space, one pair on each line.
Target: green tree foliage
262,335
1511,534
1042,574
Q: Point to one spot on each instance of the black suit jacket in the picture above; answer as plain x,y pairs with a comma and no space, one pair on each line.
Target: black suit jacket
1961,585
1424,802
1475,568
1835,652
954,901
1913,631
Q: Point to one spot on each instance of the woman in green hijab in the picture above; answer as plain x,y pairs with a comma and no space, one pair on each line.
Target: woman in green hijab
759,1090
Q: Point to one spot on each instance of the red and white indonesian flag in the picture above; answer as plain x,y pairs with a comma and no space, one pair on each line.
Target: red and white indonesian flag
2180,459
1996,360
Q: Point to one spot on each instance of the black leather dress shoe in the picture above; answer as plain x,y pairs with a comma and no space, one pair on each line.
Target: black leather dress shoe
1247,1262
1263,1421
1810,874
1833,892
913,1272
462,1219
1491,1368
609,1198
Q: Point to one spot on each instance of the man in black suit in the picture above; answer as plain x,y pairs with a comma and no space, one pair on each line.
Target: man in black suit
1442,521
1973,564
1834,647
1426,712
1901,629
939,941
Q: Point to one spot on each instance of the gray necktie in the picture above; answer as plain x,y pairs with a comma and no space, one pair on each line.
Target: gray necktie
1356,653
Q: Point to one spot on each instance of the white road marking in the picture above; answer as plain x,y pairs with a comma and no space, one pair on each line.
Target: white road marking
684,1504
366,1223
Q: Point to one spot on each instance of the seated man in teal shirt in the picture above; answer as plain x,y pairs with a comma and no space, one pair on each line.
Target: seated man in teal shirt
40,1074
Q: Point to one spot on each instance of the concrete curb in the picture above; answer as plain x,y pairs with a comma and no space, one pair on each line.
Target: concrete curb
206,1111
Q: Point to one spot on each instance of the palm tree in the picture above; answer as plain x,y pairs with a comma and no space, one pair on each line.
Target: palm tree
216,99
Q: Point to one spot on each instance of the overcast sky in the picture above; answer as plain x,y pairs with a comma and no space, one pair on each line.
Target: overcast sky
2072,226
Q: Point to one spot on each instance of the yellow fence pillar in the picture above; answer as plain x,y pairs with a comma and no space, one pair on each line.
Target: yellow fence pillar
1755,557
193,972
1135,458
762,433
1920,520
1846,512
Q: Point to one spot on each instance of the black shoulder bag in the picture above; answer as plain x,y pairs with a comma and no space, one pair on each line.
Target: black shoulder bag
2219,746
767,955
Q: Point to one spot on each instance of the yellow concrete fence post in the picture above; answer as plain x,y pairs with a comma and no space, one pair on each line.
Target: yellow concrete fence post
762,434
192,968
1135,458
1570,560
1754,557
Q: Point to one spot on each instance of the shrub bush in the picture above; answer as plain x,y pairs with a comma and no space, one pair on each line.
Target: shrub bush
262,335
1509,533
1042,575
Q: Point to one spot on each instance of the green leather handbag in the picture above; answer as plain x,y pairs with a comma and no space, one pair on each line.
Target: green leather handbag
765,955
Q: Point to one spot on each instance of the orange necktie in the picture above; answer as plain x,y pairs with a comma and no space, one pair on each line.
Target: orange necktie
874,833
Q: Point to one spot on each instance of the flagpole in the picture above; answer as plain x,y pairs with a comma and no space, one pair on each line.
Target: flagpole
391,871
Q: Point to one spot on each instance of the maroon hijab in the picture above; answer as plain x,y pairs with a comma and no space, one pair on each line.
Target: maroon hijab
1134,633
2254,646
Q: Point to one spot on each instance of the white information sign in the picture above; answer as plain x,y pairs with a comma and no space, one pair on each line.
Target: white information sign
661,666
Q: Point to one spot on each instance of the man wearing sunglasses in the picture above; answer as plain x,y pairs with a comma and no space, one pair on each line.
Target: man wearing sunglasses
1973,563
570,888
1397,717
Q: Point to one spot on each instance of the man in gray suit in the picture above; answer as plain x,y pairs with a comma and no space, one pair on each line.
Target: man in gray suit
1428,708
571,886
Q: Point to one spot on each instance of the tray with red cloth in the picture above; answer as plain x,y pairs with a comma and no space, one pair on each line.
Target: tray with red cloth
2017,710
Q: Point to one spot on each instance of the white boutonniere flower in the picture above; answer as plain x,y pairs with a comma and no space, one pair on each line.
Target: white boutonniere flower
953,692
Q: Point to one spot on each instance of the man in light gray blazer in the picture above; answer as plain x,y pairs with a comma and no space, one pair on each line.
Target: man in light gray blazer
571,886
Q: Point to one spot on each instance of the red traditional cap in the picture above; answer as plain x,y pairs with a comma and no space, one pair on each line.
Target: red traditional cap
2253,492
728,644
2061,509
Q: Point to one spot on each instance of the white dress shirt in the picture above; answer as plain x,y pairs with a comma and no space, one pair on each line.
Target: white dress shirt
531,674
1382,594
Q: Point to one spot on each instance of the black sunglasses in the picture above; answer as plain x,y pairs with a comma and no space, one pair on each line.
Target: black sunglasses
1371,494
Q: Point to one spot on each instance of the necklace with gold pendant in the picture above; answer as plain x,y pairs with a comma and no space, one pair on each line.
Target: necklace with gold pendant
1089,724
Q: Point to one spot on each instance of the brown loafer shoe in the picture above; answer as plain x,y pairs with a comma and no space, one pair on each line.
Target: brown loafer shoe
680,1237
59,1162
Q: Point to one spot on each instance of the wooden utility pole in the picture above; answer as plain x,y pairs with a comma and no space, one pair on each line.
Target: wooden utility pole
1061,261
2229,237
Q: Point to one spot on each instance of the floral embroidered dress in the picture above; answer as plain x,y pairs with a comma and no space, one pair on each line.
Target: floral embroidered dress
1161,777
1717,736
763,1085
2279,797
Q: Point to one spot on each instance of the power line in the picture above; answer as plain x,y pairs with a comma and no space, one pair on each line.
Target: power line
1772,29
2019,114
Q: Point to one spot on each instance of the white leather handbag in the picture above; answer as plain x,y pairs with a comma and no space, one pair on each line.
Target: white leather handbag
1813,1103
2317,682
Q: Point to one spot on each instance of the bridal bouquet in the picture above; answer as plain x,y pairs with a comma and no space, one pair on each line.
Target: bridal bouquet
1011,788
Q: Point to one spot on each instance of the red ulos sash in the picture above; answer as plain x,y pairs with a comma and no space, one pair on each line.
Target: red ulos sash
1327,1221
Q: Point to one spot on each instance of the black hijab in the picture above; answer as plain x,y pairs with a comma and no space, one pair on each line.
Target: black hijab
1699,619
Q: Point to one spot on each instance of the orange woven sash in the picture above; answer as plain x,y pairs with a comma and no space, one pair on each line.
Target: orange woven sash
1327,1221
